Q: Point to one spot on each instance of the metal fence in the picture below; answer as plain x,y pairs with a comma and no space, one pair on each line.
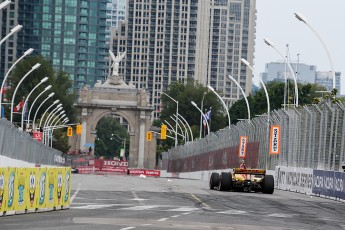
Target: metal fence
21,146
311,137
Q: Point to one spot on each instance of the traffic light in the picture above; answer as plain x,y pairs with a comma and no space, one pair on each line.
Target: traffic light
69,131
149,136
79,129
163,132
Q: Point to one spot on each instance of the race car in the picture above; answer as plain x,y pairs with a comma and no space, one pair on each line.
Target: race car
247,180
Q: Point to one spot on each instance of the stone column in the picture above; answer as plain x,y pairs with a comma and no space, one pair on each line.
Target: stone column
84,125
141,146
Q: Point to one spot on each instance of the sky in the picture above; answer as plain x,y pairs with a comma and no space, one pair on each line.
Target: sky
276,22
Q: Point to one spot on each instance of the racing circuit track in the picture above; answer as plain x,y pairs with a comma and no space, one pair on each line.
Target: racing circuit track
133,202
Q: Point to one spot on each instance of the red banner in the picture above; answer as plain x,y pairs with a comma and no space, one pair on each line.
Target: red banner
155,173
37,136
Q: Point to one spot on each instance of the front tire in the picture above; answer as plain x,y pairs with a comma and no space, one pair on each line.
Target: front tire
268,184
214,180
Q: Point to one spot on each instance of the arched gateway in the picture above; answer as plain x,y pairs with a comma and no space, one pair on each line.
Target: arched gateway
115,97
126,101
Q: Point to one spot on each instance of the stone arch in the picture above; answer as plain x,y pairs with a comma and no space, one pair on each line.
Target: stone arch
127,102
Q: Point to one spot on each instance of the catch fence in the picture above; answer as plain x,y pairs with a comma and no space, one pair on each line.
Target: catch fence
310,137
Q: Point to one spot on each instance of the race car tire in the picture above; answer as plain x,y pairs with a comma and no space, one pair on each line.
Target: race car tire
225,181
268,184
214,180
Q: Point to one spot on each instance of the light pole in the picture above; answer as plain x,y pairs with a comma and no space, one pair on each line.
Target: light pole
29,51
20,82
27,99
13,30
184,133
208,127
47,88
269,43
300,17
4,4
176,116
124,142
224,105
190,130
49,96
59,106
47,121
202,107
244,95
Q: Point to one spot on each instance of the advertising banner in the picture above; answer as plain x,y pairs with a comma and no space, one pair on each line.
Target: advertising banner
339,185
294,179
32,182
42,187
66,191
275,139
10,196
155,173
3,189
243,147
20,190
59,173
51,187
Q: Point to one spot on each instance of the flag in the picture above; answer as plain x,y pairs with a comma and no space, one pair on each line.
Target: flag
207,116
25,110
19,106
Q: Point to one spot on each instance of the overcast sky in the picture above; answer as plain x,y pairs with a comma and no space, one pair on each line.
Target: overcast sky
276,21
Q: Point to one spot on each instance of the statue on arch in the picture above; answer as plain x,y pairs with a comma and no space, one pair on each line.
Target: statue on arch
114,77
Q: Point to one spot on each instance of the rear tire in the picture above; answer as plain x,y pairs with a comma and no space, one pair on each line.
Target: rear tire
268,184
214,180
225,181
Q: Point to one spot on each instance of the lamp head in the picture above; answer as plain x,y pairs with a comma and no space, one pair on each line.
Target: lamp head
59,105
59,108
36,66
245,62
268,42
16,28
193,103
48,87
44,80
56,101
29,51
63,115
52,94
300,17
210,88
4,4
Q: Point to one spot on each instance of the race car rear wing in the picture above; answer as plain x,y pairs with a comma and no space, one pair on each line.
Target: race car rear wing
249,171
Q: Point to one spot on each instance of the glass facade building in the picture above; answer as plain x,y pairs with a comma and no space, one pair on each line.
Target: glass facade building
69,33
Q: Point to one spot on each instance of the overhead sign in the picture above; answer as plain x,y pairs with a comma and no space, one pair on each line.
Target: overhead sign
275,139
243,147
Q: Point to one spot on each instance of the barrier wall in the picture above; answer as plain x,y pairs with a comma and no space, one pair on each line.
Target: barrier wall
25,190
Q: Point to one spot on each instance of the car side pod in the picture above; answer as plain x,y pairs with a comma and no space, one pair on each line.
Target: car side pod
214,180
225,181
268,184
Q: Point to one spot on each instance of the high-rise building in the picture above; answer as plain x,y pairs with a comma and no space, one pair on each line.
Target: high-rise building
176,40
70,33
116,12
279,71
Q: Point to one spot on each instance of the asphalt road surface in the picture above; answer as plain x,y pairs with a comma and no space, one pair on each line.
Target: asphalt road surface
121,202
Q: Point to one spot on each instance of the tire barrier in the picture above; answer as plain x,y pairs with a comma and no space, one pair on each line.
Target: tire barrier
26,190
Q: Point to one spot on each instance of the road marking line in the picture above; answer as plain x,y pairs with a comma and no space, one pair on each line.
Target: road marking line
75,193
175,216
163,219
95,206
145,207
186,213
137,198
233,212
183,209
281,215
127,228
200,201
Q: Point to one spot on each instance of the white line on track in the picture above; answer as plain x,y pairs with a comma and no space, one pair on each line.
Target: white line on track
75,193
127,228
175,216
163,219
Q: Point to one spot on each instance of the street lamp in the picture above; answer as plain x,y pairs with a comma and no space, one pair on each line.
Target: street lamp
29,51
176,115
46,124
224,105
184,133
244,95
300,17
124,143
202,107
190,130
46,88
13,30
208,127
27,98
58,107
269,43
20,82
49,96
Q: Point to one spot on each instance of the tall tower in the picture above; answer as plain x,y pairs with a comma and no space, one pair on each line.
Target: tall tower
69,33
176,40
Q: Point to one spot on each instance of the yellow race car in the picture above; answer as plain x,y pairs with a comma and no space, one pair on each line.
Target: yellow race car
246,180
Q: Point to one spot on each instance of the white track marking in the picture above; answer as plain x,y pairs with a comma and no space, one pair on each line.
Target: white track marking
144,207
281,215
233,212
127,228
163,219
183,209
75,193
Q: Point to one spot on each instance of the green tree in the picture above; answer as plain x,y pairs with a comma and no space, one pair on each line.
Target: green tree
106,144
